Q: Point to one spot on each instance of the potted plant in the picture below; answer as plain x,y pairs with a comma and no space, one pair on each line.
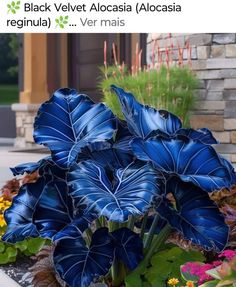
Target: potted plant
113,190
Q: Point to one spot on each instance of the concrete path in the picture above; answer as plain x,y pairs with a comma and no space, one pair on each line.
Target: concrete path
6,281
9,158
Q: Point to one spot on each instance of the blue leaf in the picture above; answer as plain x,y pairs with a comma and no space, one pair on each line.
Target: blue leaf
40,209
130,192
113,154
204,135
123,137
78,265
52,170
110,157
70,121
29,167
128,247
123,144
54,209
143,120
76,228
123,130
19,216
190,160
195,216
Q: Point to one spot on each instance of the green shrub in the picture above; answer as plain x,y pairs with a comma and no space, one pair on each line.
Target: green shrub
28,247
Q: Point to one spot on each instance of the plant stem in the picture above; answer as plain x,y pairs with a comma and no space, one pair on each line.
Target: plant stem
118,278
162,236
88,236
112,225
143,226
102,221
151,232
131,222
98,223
117,270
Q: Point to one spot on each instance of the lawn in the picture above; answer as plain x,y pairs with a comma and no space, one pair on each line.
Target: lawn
9,94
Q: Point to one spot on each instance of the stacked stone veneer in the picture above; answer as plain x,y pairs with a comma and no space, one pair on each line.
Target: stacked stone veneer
25,114
213,59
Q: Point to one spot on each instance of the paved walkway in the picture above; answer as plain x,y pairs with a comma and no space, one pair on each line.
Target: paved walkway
6,281
8,158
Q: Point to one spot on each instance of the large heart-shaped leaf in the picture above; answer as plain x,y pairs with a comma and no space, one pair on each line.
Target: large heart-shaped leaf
123,137
128,247
190,160
79,265
76,228
113,154
54,209
143,120
195,215
41,208
70,121
130,192
29,167
110,156
19,216
45,166
204,135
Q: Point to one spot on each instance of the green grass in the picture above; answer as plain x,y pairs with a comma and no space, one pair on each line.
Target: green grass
170,89
9,94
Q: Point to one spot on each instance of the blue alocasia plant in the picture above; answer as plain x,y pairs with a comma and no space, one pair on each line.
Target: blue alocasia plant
105,190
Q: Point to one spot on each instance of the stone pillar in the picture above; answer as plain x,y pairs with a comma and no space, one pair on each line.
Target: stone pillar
25,114
35,88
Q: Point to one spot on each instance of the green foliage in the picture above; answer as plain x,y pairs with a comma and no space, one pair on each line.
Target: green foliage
28,247
13,53
167,88
9,47
136,277
163,265
61,21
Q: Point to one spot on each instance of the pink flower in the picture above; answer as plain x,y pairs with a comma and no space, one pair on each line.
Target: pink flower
228,254
199,270
216,263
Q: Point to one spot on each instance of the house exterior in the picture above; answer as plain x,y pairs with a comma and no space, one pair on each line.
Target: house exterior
51,61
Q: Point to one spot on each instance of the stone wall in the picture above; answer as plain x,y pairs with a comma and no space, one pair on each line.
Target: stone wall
213,58
25,114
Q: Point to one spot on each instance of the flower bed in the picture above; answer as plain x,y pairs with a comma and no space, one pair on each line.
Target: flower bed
115,197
